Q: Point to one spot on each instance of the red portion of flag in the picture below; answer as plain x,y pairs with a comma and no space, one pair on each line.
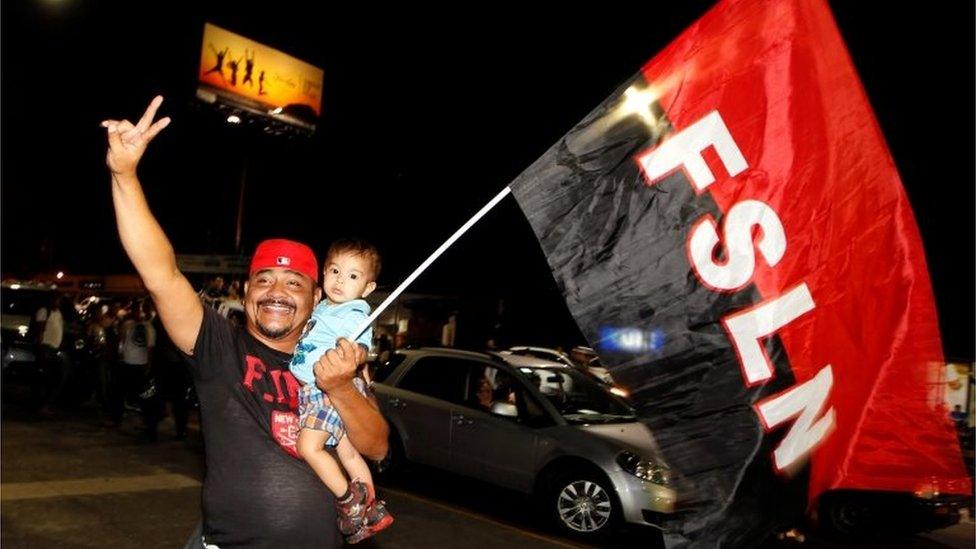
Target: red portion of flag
780,77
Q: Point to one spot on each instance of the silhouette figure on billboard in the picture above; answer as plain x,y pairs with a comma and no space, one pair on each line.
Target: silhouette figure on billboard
219,66
261,84
234,64
248,68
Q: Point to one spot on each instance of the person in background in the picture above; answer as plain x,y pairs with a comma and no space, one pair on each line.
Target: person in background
103,343
959,418
213,292
384,349
54,368
231,302
138,337
172,380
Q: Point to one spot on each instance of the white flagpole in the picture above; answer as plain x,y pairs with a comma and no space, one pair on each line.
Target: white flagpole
423,266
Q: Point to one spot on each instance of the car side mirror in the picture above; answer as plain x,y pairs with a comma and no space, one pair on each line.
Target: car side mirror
505,409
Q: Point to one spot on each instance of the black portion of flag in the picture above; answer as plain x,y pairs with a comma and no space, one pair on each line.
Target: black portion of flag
616,247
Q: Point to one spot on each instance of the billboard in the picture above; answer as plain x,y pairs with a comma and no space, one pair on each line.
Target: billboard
257,78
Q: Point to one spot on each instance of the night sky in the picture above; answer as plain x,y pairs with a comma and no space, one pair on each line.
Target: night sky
426,115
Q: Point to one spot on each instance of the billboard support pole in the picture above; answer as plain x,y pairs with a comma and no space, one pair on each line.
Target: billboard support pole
240,206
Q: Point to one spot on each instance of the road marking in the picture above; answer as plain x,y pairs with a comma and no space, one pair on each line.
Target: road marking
14,491
482,518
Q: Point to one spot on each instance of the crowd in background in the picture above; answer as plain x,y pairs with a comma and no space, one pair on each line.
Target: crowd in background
115,352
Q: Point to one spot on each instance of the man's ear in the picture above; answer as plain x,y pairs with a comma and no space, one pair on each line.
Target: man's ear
245,290
317,295
369,289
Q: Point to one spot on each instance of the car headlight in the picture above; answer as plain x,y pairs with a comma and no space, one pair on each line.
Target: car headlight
644,469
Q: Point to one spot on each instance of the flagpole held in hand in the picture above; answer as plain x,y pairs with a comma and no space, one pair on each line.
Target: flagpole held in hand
433,257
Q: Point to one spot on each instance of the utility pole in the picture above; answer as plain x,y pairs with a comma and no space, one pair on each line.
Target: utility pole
240,205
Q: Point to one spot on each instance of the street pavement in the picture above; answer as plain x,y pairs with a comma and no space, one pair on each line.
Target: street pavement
72,482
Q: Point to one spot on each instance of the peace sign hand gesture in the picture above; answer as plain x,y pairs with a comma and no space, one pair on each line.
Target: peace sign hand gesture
127,143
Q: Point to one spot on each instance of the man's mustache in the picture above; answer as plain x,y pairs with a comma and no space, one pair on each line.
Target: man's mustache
276,302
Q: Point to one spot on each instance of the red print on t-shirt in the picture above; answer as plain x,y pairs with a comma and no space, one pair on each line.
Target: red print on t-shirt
284,427
279,388
283,388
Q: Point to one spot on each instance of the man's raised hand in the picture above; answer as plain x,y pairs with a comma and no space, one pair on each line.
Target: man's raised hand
127,143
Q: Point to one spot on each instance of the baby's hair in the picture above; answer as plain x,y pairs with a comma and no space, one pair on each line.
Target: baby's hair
359,247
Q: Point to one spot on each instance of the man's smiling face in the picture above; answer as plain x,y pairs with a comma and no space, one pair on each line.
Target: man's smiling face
278,302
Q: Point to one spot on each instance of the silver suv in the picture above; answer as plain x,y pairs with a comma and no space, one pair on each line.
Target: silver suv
547,430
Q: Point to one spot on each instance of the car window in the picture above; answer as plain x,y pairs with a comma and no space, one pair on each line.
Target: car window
532,413
384,370
443,378
488,385
578,397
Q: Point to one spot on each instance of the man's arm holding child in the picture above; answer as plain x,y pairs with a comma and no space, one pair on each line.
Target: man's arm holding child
365,426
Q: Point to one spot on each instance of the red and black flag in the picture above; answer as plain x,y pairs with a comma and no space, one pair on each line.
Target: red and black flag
731,234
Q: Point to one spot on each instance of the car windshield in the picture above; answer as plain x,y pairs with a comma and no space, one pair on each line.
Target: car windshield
538,354
578,397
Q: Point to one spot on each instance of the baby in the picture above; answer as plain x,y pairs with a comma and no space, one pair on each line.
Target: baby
350,272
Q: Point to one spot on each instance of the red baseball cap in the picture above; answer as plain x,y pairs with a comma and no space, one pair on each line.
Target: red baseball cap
285,254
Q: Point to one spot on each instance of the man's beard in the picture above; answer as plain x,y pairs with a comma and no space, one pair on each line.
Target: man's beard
269,332
273,333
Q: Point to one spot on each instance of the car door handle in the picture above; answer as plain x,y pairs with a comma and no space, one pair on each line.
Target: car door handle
462,420
396,403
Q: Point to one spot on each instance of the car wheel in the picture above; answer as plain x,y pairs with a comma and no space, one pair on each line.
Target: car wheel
845,516
582,503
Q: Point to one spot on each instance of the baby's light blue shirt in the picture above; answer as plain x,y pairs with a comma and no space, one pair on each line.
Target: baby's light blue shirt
329,322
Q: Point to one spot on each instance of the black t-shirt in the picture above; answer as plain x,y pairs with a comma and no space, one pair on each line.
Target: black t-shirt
257,492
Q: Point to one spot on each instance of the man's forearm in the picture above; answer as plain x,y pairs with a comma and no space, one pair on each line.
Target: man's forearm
142,238
365,426
152,254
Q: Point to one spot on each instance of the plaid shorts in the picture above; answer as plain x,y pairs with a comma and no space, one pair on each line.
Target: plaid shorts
315,411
